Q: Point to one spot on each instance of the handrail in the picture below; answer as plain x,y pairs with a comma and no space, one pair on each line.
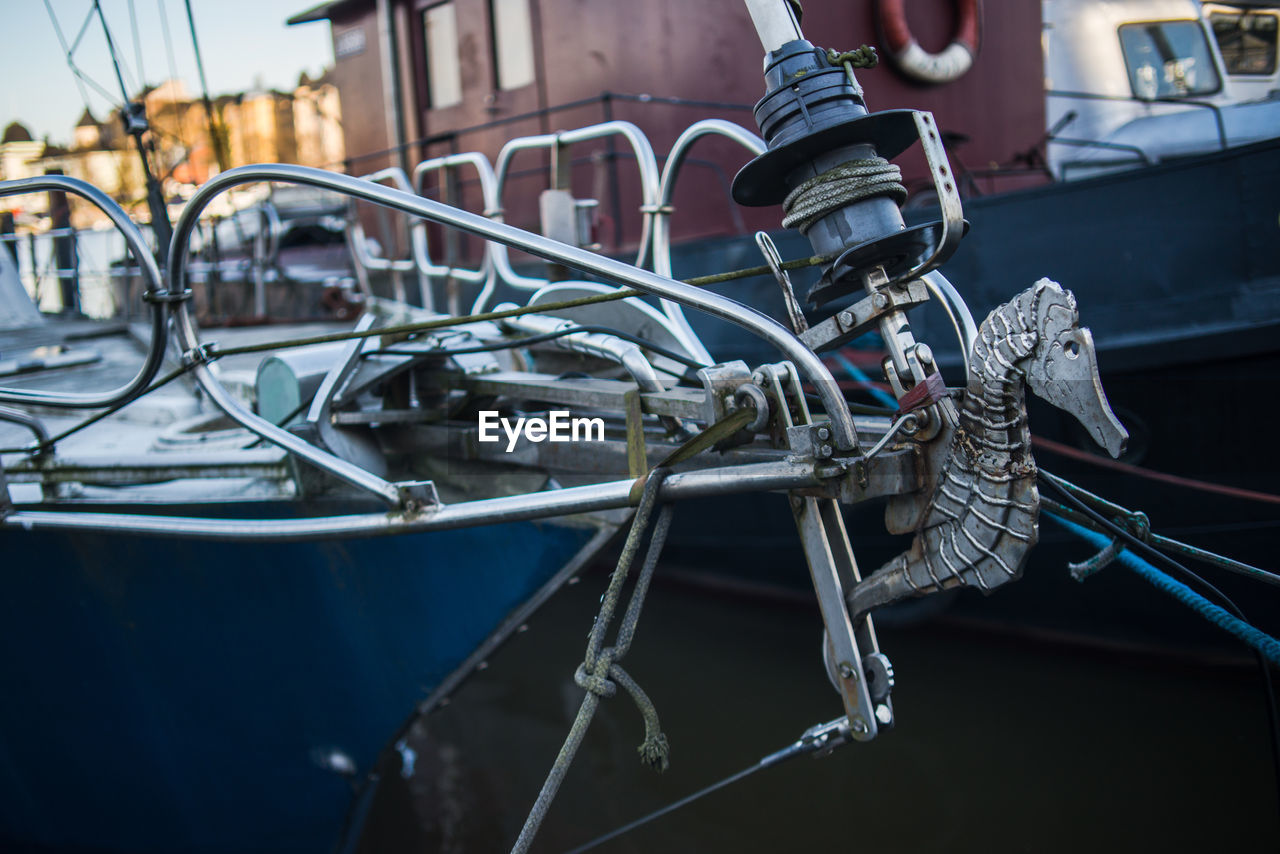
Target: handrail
1095,96
750,477
156,293
845,435
487,273
662,221
24,419
957,312
1109,146
272,228
266,249
347,164
645,159
358,241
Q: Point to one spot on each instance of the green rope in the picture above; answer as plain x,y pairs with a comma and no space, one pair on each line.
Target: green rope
862,57
713,435
851,181
600,674
1126,519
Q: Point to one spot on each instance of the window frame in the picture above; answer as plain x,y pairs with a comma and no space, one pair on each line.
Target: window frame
1209,45
1241,12
427,102
495,63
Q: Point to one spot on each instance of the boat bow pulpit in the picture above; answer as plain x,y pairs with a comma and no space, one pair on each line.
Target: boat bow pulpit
420,422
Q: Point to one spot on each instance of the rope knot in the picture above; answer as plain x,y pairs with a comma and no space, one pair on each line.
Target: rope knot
597,680
1139,525
862,57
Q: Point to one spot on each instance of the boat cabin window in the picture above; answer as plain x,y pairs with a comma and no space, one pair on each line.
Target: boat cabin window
444,72
512,43
1168,59
1247,40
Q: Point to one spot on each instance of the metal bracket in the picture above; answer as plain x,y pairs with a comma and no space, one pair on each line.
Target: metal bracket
720,383
770,252
418,495
201,354
858,318
811,440
833,570
948,197
167,297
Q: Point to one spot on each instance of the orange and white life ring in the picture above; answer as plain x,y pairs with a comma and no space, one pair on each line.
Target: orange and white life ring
917,63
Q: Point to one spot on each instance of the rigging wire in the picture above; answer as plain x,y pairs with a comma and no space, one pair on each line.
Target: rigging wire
822,738
1139,523
1149,474
137,45
173,72
160,225
1137,545
218,152
1133,541
121,68
1171,545
860,376
80,76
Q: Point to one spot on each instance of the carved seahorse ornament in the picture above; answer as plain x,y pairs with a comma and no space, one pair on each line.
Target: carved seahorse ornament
981,519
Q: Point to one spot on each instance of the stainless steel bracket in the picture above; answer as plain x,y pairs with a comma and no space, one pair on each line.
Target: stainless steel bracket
850,323
850,648
944,183
853,651
720,383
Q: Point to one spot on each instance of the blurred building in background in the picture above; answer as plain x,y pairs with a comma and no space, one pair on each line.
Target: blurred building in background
301,126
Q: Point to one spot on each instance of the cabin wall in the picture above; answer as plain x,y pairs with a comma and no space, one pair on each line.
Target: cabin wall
705,51
357,72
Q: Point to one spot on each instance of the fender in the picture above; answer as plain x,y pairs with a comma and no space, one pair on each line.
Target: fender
914,61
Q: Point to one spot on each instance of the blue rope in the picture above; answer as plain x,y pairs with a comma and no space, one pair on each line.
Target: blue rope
861,376
1259,640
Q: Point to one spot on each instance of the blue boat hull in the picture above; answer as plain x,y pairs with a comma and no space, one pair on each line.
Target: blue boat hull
170,695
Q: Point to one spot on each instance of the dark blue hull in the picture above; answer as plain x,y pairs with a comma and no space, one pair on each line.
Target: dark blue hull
180,695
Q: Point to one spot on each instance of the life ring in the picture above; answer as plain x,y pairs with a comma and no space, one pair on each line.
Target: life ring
917,63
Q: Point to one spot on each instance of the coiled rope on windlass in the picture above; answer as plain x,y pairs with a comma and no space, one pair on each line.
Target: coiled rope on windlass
851,181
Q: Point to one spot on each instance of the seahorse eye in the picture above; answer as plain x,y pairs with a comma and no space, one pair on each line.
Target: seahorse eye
1072,348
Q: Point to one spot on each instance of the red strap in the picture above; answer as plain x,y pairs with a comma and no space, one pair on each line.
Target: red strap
927,392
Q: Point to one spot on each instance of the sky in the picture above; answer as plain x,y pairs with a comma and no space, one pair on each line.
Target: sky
244,44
